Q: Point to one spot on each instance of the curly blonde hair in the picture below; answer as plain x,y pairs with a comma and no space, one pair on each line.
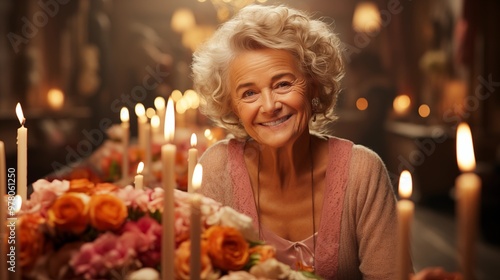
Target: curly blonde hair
311,41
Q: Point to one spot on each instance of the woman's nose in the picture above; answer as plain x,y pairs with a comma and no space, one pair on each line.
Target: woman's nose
269,102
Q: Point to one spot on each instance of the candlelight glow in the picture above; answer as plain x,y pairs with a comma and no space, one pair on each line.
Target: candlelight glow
405,184
55,98
18,202
401,103
169,121
140,167
197,176
19,113
159,103
424,110
366,17
208,134
465,148
140,110
362,104
150,112
176,95
155,122
194,140
124,116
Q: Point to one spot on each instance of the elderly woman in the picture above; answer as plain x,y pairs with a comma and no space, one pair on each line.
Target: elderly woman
271,77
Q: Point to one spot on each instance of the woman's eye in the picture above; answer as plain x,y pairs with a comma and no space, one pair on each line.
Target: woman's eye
249,94
283,86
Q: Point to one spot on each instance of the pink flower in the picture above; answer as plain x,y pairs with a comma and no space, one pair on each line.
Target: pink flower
106,253
134,198
44,194
156,200
144,236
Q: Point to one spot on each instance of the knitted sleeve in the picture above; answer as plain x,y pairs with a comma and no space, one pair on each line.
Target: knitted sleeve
369,221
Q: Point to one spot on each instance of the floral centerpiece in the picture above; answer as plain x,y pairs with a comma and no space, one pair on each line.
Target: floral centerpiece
78,229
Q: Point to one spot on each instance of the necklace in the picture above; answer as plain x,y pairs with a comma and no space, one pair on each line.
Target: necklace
312,203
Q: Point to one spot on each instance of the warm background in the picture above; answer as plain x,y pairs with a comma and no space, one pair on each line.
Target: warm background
441,56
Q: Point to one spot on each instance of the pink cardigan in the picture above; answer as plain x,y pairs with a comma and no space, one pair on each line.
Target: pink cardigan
357,232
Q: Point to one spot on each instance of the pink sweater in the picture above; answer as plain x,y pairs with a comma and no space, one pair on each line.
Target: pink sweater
357,232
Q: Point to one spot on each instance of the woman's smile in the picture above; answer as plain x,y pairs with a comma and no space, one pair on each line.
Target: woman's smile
276,122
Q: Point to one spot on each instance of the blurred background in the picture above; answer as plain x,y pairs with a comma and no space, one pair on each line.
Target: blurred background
415,69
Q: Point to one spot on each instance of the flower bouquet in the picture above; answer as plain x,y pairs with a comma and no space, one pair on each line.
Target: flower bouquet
78,229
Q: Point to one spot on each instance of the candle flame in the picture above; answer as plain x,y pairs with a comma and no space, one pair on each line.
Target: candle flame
465,149
405,184
18,202
140,167
155,122
124,116
197,176
159,103
140,110
19,113
194,140
169,121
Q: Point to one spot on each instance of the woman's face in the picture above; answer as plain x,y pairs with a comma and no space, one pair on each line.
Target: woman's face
269,95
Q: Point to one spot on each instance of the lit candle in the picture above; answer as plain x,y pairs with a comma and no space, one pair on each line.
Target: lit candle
139,178
405,209
3,213
22,155
155,129
160,111
468,187
140,112
168,181
124,117
195,234
147,150
192,160
18,201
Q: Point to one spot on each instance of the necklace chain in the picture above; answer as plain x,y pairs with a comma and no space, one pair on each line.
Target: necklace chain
312,202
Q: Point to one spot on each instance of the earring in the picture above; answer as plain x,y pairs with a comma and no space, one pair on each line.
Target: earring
316,106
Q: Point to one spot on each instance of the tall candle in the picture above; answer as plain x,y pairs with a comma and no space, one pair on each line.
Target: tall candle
155,129
195,234
22,155
147,151
139,178
168,181
468,188
192,160
405,209
124,117
3,213
140,112
160,111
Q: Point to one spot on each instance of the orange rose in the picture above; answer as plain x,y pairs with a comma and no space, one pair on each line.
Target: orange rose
182,259
31,239
104,188
227,247
263,252
81,186
69,213
107,212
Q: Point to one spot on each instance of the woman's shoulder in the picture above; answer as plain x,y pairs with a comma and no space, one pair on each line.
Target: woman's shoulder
221,150
357,154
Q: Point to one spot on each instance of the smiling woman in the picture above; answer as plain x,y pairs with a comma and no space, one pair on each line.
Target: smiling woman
270,76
